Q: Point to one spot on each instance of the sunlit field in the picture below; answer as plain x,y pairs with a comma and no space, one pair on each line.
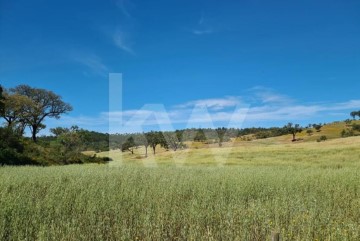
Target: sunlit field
336,153
305,191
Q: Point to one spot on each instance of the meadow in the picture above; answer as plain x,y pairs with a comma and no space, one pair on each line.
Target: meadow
305,191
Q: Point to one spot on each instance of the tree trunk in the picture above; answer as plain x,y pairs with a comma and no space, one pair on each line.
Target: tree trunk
294,135
33,132
154,147
146,147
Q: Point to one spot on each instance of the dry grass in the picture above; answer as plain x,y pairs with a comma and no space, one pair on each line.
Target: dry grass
306,190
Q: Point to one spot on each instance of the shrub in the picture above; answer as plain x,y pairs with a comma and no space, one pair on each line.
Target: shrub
12,149
347,133
322,138
356,127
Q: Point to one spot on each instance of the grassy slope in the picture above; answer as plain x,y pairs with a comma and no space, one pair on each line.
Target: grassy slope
306,190
96,202
270,151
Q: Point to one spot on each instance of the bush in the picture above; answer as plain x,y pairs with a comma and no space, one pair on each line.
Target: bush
356,127
322,138
317,127
12,149
347,133
263,135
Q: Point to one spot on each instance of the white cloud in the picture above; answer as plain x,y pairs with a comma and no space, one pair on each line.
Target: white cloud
121,40
202,31
123,6
93,63
208,112
213,104
268,96
203,27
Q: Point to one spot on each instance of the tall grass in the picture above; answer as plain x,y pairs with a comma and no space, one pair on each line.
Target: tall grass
306,191
96,202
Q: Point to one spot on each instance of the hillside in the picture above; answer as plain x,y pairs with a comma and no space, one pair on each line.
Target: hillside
277,150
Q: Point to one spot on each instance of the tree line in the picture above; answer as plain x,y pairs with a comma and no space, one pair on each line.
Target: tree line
24,107
27,107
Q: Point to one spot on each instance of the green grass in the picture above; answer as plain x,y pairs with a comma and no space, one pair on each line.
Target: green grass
306,191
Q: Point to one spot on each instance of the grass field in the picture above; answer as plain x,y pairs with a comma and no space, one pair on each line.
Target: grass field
306,191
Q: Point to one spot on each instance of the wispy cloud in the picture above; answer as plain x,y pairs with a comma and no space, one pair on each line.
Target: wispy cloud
92,62
123,5
268,96
202,31
213,104
202,27
121,40
210,112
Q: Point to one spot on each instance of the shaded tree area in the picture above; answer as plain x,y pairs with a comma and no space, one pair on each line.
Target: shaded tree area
26,107
12,149
352,129
129,145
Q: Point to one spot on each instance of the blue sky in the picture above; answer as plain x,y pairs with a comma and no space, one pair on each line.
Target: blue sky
280,61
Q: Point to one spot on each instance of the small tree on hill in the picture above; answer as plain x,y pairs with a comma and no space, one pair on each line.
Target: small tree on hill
221,133
200,136
317,127
293,129
129,145
309,132
347,121
173,140
142,140
155,138
353,114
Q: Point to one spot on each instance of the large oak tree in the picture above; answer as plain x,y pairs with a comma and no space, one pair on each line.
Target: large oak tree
44,104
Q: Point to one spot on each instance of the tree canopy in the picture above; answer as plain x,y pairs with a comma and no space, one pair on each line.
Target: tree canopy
293,129
42,104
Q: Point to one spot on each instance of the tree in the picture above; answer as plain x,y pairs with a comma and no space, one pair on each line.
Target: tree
221,133
317,127
128,145
143,141
12,149
309,132
14,111
353,114
45,104
356,127
59,131
293,129
200,136
347,121
172,140
155,138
